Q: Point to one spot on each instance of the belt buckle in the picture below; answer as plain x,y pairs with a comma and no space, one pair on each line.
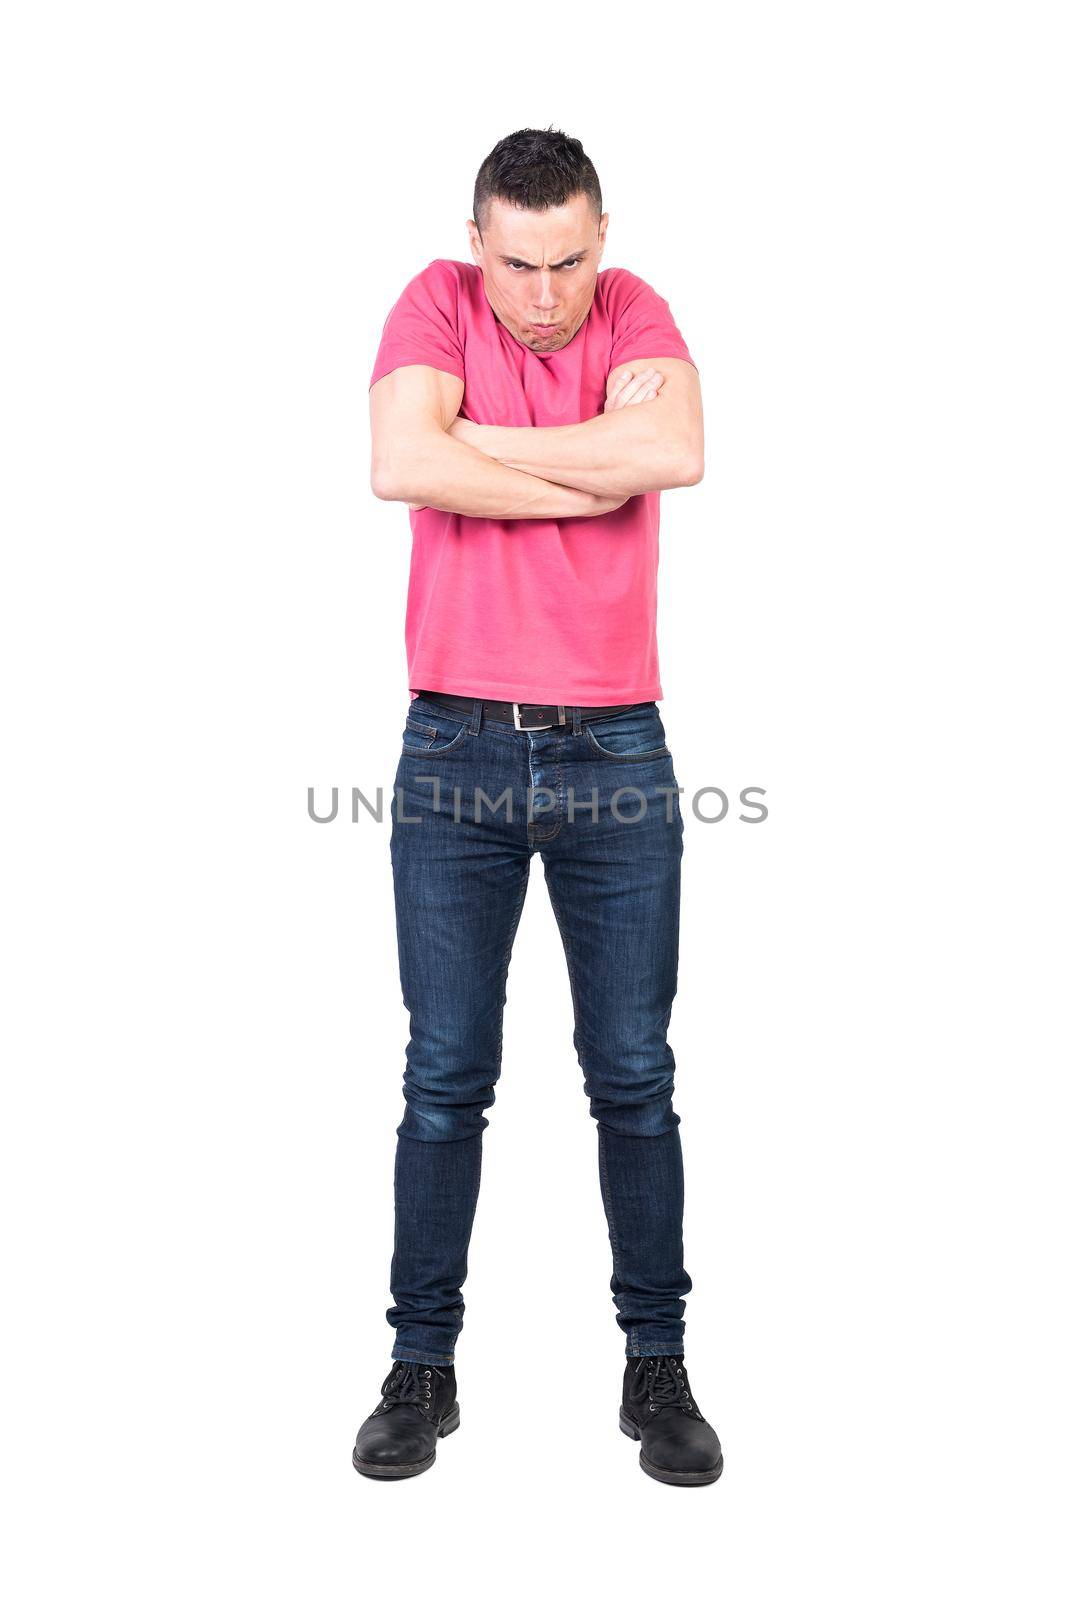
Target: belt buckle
538,727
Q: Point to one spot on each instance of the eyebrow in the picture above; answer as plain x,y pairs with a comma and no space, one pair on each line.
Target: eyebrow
574,255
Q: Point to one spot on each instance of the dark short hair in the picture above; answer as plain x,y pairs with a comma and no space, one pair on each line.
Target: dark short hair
536,168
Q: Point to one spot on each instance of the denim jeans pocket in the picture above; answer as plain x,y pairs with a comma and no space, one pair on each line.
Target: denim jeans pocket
636,735
431,735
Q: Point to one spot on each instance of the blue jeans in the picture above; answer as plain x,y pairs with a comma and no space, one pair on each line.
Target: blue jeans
460,869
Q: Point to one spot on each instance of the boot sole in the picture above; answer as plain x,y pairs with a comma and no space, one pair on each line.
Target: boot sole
408,1469
661,1474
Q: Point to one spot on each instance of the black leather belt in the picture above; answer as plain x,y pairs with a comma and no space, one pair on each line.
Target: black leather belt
525,715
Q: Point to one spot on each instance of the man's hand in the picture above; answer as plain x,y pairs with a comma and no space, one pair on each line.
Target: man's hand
629,448
631,389
414,460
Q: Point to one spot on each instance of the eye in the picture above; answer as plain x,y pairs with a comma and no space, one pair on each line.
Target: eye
569,264
517,266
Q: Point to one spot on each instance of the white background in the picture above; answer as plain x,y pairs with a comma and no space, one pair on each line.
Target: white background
857,215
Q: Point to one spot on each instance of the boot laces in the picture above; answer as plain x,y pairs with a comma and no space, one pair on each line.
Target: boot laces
407,1385
662,1380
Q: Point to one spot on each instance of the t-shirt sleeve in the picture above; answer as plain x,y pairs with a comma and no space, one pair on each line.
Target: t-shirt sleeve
642,324
422,330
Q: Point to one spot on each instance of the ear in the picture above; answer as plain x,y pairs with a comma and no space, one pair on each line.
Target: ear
601,231
475,241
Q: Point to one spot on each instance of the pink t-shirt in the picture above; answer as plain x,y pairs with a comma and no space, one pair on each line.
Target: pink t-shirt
556,612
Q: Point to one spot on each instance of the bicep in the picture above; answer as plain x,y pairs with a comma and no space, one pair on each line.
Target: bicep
679,394
675,415
412,397
410,408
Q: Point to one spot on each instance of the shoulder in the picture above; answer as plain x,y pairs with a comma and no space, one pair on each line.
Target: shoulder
457,278
427,324
640,319
442,270
443,288
620,288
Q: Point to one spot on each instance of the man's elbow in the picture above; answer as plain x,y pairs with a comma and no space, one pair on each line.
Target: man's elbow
406,467
383,485
391,479
687,466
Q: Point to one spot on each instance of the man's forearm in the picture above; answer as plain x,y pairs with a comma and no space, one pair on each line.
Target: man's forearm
433,469
622,452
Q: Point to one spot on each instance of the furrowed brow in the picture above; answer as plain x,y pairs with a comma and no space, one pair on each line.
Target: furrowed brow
576,255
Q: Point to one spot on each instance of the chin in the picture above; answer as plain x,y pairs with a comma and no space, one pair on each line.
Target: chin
557,342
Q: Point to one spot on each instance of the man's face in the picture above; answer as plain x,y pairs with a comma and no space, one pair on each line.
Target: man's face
540,268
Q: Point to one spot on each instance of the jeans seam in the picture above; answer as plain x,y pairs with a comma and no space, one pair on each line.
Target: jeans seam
579,1039
520,902
403,1354
622,1302
580,1034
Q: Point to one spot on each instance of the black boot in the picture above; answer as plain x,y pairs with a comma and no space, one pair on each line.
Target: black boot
418,1407
678,1445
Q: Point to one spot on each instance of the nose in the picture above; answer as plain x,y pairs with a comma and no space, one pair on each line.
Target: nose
546,297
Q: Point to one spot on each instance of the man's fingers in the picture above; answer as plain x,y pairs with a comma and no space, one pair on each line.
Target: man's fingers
631,388
614,389
644,387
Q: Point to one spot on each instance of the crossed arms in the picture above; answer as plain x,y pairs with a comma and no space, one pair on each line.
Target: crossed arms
650,436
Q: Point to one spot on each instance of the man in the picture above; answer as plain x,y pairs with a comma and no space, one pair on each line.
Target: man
529,409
